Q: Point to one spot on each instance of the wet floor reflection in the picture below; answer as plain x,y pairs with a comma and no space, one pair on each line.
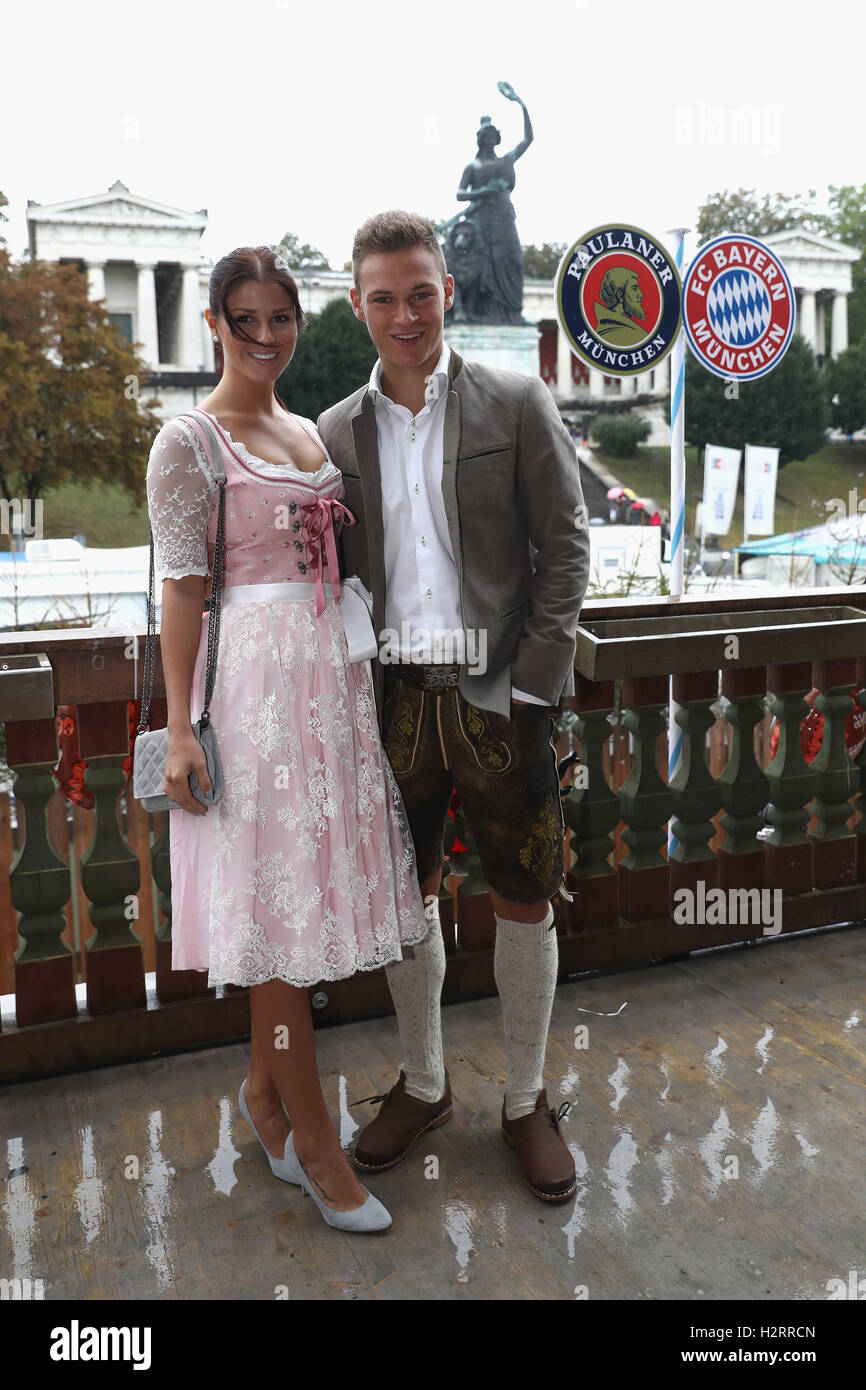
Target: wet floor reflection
808,1150
158,1202
618,1082
623,1158
713,1148
762,1047
348,1126
577,1219
764,1136
714,1060
90,1191
19,1211
222,1166
665,1161
458,1228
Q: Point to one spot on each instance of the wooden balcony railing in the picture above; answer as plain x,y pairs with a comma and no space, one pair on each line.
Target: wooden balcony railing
85,908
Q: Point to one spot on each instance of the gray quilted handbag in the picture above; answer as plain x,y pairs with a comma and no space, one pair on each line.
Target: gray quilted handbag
151,745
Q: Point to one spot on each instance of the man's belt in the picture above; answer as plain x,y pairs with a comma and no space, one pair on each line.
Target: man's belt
435,676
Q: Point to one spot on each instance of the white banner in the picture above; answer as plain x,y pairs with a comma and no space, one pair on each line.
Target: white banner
721,475
760,469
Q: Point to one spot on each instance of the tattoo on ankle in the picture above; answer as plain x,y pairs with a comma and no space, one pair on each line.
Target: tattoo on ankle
318,1186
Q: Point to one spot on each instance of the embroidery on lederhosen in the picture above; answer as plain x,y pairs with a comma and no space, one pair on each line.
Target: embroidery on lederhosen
403,736
540,850
491,753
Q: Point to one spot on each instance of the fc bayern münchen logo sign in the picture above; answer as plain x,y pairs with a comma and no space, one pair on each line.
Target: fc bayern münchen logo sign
738,307
618,300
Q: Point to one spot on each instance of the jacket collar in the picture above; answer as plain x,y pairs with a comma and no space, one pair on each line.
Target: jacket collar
366,400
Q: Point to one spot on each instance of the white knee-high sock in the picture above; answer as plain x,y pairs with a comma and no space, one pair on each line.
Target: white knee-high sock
415,983
525,963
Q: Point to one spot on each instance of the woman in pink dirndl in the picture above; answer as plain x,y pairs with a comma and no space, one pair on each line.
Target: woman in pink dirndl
305,870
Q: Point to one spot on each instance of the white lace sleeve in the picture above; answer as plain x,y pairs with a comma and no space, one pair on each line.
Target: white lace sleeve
180,497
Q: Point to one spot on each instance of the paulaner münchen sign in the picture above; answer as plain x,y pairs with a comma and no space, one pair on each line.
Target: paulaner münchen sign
618,300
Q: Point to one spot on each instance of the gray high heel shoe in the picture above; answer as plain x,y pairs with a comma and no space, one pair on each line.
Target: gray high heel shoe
370,1216
288,1168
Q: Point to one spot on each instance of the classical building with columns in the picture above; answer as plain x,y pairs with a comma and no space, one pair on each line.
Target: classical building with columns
820,272
144,260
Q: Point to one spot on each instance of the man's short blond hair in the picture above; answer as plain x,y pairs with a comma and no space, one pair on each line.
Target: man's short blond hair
395,230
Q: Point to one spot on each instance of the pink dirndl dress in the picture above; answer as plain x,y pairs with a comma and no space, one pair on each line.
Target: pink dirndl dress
305,871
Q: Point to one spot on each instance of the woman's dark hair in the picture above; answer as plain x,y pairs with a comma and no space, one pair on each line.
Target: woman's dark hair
248,263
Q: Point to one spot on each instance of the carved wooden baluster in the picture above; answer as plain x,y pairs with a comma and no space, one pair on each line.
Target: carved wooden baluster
38,880
860,760
447,903
170,984
645,803
476,922
837,778
695,793
791,782
591,812
742,784
160,867
109,868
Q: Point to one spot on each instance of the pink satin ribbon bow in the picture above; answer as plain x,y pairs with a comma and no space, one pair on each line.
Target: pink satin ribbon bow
318,532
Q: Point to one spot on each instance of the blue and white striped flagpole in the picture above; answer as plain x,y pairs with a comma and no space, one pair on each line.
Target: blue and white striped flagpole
678,506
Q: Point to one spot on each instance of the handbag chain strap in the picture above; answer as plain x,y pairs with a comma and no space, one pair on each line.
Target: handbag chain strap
216,595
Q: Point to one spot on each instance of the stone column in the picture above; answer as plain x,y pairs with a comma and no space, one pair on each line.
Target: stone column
146,330
190,319
663,375
564,385
208,347
596,383
807,318
96,280
839,325
820,333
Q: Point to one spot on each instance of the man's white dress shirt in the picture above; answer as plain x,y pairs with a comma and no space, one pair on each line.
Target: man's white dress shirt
422,592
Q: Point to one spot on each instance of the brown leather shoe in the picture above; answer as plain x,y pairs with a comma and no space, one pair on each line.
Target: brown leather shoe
401,1120
547,1164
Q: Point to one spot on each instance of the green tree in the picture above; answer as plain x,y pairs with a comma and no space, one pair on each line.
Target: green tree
69,386
787,408
333,358
542,262
743,211
4,203
301,255
846,222
845,379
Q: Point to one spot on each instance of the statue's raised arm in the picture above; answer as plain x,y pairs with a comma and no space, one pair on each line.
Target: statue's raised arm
508,91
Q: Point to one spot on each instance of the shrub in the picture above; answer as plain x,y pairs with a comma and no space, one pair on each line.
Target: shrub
620,435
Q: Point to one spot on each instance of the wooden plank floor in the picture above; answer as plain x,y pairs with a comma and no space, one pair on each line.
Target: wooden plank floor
754,1055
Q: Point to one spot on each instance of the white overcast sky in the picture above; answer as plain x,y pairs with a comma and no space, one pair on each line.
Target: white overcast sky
292,115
